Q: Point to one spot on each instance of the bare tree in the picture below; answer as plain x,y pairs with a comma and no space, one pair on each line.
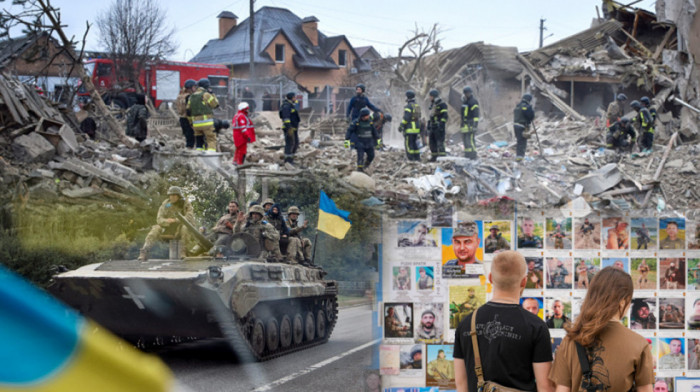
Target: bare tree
421,44
134,32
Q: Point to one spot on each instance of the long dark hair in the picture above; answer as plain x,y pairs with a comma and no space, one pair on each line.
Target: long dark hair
608,287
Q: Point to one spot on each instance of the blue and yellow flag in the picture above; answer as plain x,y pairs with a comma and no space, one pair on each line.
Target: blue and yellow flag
332,220
47,346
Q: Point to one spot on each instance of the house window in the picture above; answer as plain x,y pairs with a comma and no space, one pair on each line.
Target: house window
342,54
279,53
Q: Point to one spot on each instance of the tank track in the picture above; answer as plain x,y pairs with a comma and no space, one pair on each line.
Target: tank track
237,331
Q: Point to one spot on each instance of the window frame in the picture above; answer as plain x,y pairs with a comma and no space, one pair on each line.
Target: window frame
283,49
344,57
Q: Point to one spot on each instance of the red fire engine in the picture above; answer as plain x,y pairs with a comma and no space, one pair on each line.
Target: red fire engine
161,81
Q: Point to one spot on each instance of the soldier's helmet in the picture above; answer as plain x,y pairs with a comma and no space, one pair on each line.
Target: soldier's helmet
189,83
645,100
291,95
268,201
467,90
636,105
256,209
387,117
410,94
465,229
175,190
434,93
364,112
361,87
621,97
527,98
293,210
203,83
625,120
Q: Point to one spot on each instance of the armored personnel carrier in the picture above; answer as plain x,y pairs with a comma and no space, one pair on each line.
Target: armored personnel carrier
262,309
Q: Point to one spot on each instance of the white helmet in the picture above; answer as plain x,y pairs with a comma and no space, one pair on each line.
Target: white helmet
243,106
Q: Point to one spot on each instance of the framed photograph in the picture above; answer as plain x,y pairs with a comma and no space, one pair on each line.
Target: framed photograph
559,274
622,263
557,311
644,313
693,311
462,250
398,320
643,273
587,233
402,278
693,354
534,305
530,233
411,359
585,269
644,233
671,233
389,359
430,322
535,273
663,384
616,235
439,367
693,274
559,233
416,233
463,301
671,354
693,234
499,237
425,277
671,313
672,273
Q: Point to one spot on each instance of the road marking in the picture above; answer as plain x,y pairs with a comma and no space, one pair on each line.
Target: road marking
136,298
313,367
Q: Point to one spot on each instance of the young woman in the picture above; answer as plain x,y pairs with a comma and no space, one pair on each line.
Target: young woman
619,358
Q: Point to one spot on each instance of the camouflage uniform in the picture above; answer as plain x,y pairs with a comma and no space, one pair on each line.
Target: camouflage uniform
672,361
496,242
304,244
262,231
441,369
168,210
223,232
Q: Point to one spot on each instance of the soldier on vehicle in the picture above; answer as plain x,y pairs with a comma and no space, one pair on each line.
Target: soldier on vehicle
168,225
263,232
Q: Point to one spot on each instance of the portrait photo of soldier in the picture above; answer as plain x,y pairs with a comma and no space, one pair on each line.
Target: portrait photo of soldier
425,278
663,384
644,234
693,274
398,320
616,234
416,234
585,269
402,278
693,312
672,273
411,358
558,233
671,353
693,354
530,233
439,368
643,313
535,274
617,262
430,322
534,305
587,233
463,301
462,251
643,271
557,312
693,234
559,274
671,313
499,236
671,233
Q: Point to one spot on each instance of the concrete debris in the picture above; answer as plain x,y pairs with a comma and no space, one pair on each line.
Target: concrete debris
601,180
33,148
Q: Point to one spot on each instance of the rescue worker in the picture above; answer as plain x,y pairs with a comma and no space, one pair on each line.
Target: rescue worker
621,135
290,126
263,232
522,118
366,138
470,122
410,126
645,123
646,102
616,109
436,125
137,119
243,133
181,108
379,119
358,102
201,105
295,232
168,224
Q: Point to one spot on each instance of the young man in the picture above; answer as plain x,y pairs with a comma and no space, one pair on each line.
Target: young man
672,241
465,242
529,239
502,325
558,319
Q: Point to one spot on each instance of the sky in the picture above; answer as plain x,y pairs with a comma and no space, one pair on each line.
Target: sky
383,24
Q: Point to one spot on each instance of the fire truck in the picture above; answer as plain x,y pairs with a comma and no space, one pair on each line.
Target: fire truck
161,81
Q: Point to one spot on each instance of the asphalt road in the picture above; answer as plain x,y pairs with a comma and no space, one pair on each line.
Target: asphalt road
338,365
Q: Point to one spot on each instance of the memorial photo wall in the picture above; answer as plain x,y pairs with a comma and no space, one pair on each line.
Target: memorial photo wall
435,273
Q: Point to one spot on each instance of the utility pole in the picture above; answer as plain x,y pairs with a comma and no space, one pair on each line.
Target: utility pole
542,29
251,26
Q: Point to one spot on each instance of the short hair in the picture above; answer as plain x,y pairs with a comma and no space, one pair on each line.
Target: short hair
508,269
531,299
672,223
679,341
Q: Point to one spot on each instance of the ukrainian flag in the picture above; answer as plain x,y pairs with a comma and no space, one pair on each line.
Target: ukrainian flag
332,220
47,346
